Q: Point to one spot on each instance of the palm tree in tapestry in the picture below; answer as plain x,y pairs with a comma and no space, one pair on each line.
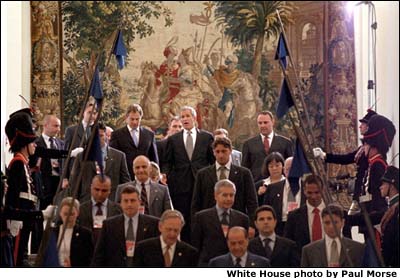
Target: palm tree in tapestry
247,21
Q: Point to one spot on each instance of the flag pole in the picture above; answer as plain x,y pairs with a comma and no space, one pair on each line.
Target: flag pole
304,140
47,233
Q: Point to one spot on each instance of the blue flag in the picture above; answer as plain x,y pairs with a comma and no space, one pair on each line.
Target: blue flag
95,87
281,51
50,258
120,50
298,169
95,152
285,100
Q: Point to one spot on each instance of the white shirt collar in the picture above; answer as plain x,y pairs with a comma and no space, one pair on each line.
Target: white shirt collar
130,129
270,136
227,165
192,130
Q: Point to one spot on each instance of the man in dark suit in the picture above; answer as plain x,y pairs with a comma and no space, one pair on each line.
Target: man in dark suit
331,251
257,148
210,226
166,250
303,225
84,128
50,169
94,211
280,197
115,167
174,126
134,140
280,251
154,196
119,234
238,255
203,193
187,152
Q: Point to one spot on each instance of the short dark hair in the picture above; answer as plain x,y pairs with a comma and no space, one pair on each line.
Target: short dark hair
265,208
135,108
102,126
335,210
224,141
313,179
274,156
266,112
129,189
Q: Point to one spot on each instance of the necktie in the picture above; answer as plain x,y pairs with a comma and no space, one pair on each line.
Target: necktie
316,226
268,250
99,211
266,144
88,131
189,145
238,260
52,143
167,257
134,137
143,197
225,220
334,260
222,173
53,146
129,234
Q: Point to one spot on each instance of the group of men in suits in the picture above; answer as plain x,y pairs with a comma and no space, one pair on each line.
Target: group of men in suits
214,199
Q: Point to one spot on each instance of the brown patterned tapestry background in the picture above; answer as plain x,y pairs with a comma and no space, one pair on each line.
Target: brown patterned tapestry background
175,51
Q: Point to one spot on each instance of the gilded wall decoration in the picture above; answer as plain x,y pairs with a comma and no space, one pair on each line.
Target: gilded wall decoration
45,58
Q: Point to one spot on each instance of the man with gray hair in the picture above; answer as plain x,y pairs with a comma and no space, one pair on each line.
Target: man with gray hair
134,140
166,250
210,226
187,152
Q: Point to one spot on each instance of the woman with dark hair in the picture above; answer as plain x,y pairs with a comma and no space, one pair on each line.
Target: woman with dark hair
272,171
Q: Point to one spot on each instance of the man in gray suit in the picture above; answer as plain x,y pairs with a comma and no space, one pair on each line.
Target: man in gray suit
115,167
155,197
236,155
257,148
99,207
331,251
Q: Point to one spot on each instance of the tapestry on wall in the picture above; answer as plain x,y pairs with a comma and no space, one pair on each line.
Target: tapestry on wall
217,57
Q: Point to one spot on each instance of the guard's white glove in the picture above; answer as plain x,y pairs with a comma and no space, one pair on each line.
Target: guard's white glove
15,226
76,151
318,152
48,212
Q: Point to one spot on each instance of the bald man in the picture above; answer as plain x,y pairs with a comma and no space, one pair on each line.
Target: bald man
155,198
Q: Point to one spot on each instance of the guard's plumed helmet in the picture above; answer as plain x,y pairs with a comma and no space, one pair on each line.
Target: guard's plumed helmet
380,133
19,129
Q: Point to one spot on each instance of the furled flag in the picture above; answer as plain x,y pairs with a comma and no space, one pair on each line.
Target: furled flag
285,100
50,257
298,169
95,87
120,50
95,152
281,51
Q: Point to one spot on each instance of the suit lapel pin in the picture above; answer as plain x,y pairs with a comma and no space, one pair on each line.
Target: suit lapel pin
253,264
77,234
179,254
145,229
279,195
